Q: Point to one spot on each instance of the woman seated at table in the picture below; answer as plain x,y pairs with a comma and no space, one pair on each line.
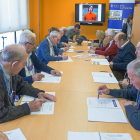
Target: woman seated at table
110,50
102,41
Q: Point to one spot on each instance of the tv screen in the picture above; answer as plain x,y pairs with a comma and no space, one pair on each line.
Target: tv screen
90,13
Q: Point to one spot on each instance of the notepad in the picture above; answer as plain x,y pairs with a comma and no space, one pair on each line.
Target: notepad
94,55
105,110
15,134
71,47
70,50
50,78
47,107
103,77
98,136
68,60
99,61
79,51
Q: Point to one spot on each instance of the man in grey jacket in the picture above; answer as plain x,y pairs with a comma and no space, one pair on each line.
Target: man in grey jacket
72,31
133,94
13,59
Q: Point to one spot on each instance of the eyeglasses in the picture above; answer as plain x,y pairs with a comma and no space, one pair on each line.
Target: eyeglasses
57,38
32,44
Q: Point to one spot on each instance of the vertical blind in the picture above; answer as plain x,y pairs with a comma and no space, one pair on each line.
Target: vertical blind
14,15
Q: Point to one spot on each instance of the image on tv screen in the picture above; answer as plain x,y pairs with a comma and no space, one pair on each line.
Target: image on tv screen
90,13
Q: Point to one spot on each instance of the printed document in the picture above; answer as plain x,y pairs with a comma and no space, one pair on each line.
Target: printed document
68,60
103,77
47,107
98,136
70,50
50,78
99,61
15,134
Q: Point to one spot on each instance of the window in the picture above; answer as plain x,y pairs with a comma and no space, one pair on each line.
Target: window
18,33
14,15
9,39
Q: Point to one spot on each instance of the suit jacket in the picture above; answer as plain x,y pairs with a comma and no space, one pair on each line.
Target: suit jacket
38,65
8,111
43,52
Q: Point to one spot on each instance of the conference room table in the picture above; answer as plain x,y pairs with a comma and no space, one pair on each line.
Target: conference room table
70,109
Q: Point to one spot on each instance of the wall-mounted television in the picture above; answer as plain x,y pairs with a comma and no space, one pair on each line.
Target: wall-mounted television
90,13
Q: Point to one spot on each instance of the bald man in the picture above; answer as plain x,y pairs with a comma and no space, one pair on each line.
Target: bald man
13,59
126,54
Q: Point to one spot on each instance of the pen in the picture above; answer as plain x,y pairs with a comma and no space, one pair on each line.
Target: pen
98,94
103,71
110,75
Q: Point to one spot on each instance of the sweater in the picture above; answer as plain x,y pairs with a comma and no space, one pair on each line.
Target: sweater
132,114
38,65
125,55
43,52
8,111
111,51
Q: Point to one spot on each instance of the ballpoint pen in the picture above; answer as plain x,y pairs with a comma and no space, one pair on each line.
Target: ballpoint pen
98,94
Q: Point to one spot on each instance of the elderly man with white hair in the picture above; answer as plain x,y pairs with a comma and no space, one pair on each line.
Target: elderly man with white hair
133,94
110,50
13,59
126,54
47,49
28,73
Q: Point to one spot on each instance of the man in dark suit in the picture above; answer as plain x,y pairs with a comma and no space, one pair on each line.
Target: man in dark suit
28,40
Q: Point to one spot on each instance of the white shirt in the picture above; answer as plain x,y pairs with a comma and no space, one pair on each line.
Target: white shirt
29,63
51,47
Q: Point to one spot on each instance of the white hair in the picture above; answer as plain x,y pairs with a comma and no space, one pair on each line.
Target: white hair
26,36
54,33
134,66
13,52
110,32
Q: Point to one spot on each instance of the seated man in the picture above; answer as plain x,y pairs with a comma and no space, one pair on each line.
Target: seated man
72,31
125,84
132,112
13,59
47,49
64,37
62,44
110,50
28,40
126,53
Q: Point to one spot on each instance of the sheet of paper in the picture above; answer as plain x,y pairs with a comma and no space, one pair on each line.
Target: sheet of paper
68,60
79,51
70,50
15,134
47,107
94,55
83,136
85,41
71,47
99,61
50,78
115,136
101,77
103,103
106,115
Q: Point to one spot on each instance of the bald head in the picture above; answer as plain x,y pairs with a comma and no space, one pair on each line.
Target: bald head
64,29
120,39
14,52
61,31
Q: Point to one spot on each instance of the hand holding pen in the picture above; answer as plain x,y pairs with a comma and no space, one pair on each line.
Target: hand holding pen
103,89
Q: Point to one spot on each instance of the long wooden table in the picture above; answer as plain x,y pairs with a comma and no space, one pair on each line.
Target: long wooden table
70,111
